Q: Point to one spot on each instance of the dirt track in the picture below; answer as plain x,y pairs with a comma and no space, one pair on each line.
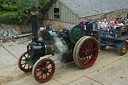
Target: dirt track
109,69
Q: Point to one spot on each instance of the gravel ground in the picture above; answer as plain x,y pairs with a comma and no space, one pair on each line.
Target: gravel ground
109,69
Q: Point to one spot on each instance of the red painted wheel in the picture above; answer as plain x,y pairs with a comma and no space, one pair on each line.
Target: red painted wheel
43,70
22,64
86,52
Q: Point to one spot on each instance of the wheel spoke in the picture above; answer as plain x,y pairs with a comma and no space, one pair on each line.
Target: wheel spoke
23,60
83,56
28,67
50,68
79,59
46,75
91,45
80,54
82,51
39,67
84,47
42,64
87,59
47,64
24,65
93,50
87,44
38,71
40,75
25,56
91,56
82,62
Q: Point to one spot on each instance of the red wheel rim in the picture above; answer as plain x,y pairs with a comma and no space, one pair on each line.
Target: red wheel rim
88,53
44,70
22,64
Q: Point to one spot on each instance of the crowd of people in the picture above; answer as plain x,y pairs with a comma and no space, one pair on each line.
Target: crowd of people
111,25
105,25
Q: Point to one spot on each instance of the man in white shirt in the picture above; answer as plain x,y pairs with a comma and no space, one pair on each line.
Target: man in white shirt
104,27
100,24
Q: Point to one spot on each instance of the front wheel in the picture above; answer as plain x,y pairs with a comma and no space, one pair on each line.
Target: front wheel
123,49
22,62
43,69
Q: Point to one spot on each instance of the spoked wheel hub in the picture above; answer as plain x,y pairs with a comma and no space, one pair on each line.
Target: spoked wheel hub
43,69
123,49
85,52
22,62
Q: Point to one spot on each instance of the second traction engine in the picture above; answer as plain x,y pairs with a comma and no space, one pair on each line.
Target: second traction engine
83,50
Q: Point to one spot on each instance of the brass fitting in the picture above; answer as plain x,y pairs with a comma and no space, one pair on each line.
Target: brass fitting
34,13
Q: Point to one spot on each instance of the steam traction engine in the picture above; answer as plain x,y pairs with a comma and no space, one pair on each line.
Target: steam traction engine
82,49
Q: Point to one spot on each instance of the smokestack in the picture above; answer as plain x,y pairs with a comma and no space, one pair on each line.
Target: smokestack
34,15
127,15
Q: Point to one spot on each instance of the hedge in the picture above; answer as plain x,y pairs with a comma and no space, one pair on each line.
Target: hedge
16,11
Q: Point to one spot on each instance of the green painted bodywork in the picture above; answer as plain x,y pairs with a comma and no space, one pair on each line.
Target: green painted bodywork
76,33
50,48
31,61
52,34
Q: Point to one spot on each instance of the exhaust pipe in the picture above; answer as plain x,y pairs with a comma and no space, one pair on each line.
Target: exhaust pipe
34,15
22,35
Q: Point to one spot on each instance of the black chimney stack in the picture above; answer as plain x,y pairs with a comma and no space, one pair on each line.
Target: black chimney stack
34,15
127,15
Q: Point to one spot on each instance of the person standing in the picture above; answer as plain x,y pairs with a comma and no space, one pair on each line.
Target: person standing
100,24
89,28
81,23
47,26
125,20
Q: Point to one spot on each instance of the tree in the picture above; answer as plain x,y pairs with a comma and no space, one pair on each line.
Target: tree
16,11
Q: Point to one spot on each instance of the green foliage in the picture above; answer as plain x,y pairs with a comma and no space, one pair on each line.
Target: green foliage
9,17
23,9
16,11
44,6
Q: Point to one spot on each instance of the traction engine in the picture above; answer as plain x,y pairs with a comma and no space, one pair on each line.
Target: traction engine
83,50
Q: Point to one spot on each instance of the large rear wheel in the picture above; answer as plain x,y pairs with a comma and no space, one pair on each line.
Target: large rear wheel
86,52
